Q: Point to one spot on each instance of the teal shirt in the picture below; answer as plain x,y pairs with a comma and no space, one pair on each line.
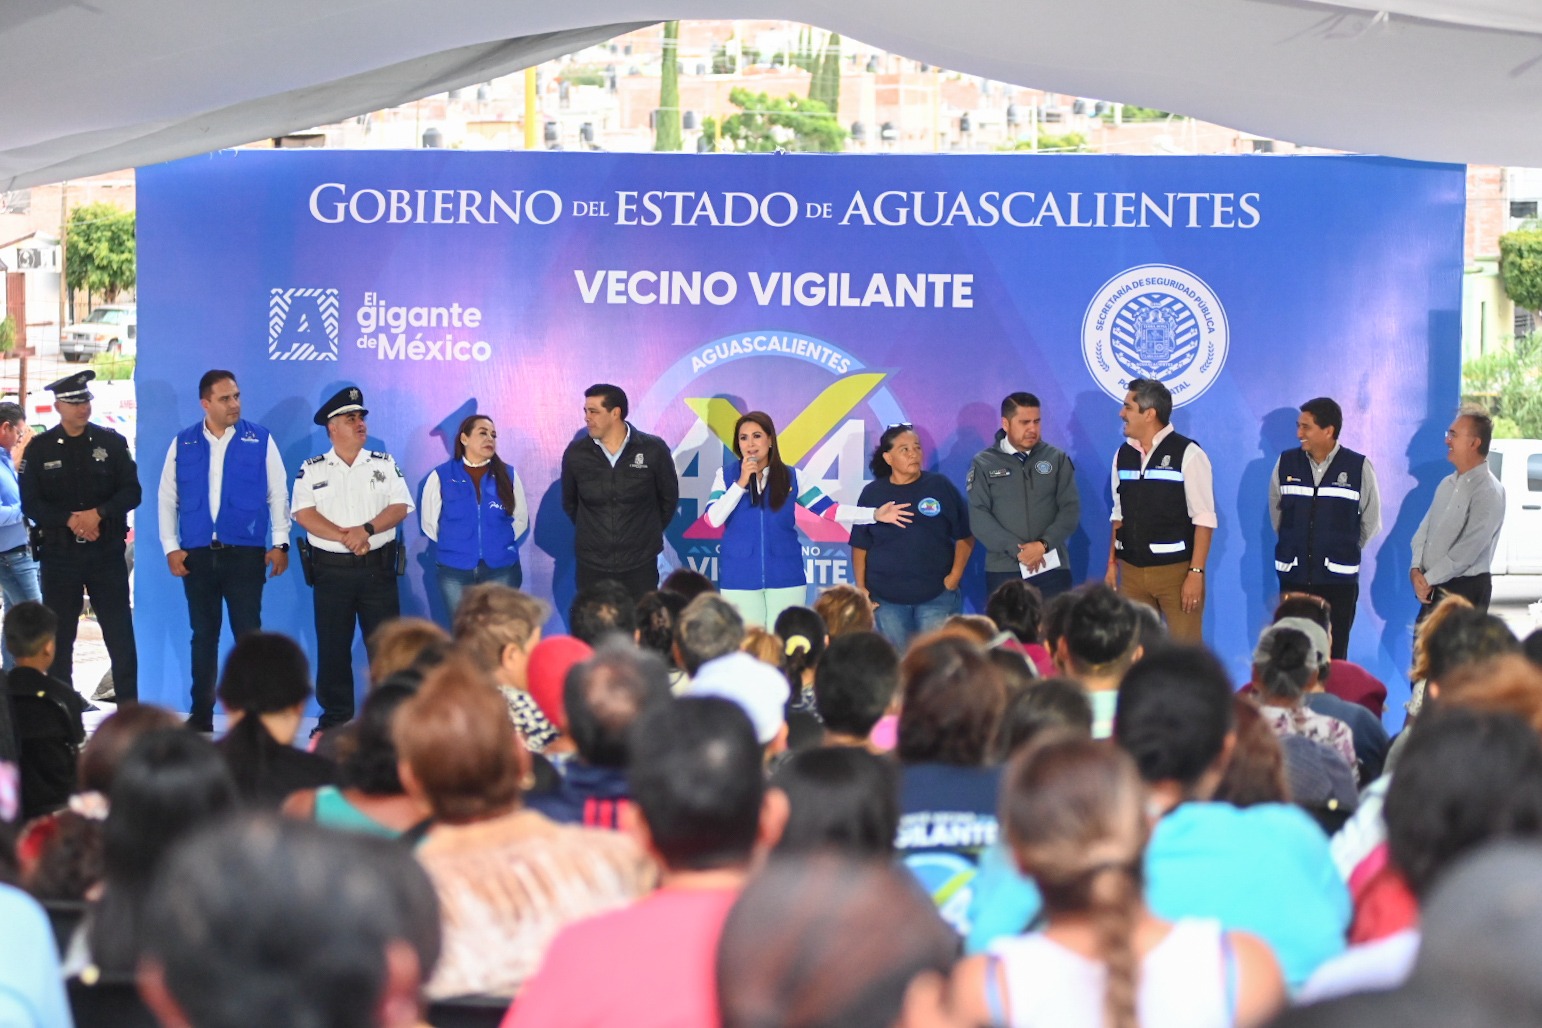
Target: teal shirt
1265,870
334,811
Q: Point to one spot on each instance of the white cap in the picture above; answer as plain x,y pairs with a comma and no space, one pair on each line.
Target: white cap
757,687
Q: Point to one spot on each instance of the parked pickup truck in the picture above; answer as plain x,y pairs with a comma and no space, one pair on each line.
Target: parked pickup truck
110,328
1517,463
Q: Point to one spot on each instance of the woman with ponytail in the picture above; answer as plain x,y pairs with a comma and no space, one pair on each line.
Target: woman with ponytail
1291,657
1074,813
264,689
474,508
760,569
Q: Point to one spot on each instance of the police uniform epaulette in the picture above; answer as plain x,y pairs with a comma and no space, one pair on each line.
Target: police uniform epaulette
380,455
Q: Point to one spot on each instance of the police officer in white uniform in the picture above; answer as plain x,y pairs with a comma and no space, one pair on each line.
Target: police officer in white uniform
349,500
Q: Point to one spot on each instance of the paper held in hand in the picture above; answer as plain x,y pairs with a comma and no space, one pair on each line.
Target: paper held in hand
1051,562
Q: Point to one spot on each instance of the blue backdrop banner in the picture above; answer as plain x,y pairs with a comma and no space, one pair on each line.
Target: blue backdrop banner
842,293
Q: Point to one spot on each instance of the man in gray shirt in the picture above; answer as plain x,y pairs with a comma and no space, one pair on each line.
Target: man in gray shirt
1454,546
1023,503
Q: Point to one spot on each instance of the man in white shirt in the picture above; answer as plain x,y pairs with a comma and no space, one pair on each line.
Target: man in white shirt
1164,513
349,500
222,495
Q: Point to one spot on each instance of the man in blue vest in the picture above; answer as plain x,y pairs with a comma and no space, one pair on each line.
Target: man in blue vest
1164,513
1325,505
223,494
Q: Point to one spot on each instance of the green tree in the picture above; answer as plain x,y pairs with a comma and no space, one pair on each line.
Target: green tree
666,123
825,85
99,250
7,334
1520,267
765,124
1508,383
1069,142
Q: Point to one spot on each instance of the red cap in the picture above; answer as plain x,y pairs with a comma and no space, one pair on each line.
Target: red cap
550,661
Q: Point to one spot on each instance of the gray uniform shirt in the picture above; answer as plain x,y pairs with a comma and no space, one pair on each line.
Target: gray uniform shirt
1014,501
1458,533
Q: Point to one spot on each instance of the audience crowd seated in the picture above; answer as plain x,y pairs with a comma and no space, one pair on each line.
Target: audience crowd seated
703,812
368,796
1074,813
261,921
842,609
1099,641
602,697
641,823
1288,663
507,878
1016,607
170,783
657,615
855,686
953,699
497,627
264,689
832,939
59,855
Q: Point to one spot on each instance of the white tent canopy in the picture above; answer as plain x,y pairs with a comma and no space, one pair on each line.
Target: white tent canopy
106,84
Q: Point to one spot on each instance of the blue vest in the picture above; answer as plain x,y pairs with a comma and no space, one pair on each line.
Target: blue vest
760,545
243,519
1319,524
472,530
1155,528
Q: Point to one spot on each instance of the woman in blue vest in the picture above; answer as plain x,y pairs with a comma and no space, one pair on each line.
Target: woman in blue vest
760,569
474,508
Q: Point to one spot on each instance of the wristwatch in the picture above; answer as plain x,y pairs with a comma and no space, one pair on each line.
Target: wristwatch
281,547
1197,571
369,528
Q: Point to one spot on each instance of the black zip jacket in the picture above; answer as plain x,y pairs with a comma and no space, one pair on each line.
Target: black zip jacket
620,513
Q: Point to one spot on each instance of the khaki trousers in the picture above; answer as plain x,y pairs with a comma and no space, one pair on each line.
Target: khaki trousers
1161,587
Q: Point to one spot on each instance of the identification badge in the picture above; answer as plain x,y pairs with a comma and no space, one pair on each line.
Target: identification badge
52,465
998,473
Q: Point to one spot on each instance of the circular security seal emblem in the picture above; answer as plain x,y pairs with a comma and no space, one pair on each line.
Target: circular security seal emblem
1156,321
1044,467
930,507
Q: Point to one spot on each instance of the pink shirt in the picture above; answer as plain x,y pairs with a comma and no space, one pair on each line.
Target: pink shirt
650,965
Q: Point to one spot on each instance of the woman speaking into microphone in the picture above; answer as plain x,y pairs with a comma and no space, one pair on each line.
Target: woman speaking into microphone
760,569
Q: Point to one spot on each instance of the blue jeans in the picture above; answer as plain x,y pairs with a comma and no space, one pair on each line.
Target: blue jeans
18,584
453,581
901,622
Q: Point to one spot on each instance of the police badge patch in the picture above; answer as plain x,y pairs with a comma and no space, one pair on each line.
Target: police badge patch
99,454
379,476
1044,467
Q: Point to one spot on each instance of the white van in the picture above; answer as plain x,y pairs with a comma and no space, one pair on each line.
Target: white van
1517,463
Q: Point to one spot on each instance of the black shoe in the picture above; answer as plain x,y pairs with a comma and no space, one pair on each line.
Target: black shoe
199,724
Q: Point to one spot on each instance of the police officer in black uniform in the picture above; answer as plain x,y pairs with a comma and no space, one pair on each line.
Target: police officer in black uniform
78,484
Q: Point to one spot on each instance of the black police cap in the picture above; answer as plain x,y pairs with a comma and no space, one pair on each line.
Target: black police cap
346,401
72,388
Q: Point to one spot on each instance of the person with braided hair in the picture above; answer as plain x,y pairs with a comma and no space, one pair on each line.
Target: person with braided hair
1074,812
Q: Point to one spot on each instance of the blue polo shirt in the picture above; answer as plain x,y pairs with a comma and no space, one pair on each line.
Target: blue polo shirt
907,565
